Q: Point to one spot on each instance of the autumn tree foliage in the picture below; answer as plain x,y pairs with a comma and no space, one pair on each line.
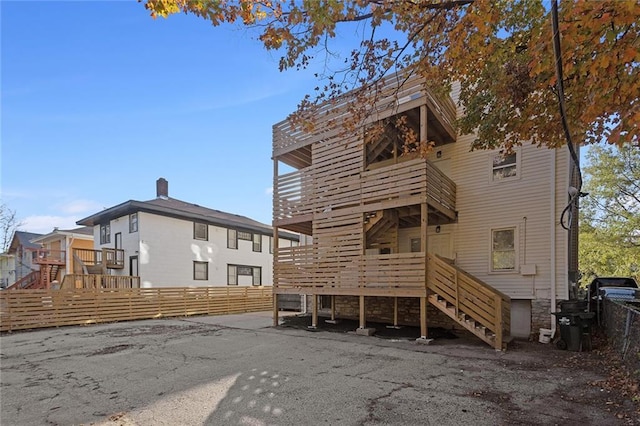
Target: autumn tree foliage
610,215
501,52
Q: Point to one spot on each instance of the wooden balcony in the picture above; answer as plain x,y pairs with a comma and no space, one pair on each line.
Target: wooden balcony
100,281
310,270
107,257
298,195
48,257
410,182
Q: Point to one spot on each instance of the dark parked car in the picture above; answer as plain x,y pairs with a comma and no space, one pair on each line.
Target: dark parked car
594,294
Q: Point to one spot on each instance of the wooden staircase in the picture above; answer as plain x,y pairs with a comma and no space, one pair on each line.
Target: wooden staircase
475,305
29,281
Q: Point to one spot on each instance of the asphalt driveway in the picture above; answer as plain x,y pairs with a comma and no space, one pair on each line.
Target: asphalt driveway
238,370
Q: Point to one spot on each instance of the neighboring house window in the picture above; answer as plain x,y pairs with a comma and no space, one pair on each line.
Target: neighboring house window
257,242
105,234
234,271
243,235
232,239
503,249
133,222
200,271
504,166
200,231
271,245
295,243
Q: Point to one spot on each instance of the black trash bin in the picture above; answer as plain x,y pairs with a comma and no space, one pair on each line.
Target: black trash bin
575,330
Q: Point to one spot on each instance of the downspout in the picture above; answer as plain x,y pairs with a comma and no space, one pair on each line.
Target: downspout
553,240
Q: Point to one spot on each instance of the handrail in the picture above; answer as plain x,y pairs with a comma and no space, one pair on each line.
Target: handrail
109,257
26,281
46,256
470,297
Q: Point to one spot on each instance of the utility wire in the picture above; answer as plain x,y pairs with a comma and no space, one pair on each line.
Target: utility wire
563,114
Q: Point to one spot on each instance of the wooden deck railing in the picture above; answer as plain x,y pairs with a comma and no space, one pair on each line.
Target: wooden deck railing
28,309
27,281
111,258
292,195
415,177
295,194
50,257
470,298
100,281
307,269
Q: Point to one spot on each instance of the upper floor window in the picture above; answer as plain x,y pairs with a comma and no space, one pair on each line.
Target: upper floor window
133,222
504,166
105,233
244,235
200,231
200,271
257,242
232,239
270,244
503,249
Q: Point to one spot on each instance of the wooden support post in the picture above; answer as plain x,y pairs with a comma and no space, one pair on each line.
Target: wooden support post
333,308
362,314
423,318
314,310
395,311
274,246
275,310
423,123
499,324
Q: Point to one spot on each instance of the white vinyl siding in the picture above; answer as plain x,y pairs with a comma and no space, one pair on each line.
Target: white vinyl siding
524,202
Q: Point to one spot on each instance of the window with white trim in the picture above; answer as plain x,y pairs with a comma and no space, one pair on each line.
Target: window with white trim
503,250
505,166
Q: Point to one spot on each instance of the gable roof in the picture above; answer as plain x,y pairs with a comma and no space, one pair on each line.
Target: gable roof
84,232
22,238
171,207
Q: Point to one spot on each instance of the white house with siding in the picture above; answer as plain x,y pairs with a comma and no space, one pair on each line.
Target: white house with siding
172,243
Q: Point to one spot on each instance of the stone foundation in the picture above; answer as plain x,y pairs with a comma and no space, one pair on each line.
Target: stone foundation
380,309
540,316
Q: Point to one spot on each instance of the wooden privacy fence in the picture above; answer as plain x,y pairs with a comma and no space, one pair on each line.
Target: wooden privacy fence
26,309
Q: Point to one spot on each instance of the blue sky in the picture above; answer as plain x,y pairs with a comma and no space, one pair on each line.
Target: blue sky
99,100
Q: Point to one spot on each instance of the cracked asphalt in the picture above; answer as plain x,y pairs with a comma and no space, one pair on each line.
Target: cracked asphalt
238,370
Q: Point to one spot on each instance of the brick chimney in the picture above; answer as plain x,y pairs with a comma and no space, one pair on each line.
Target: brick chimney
162,188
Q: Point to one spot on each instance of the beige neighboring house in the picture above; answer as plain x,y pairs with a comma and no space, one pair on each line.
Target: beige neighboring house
60,244
172,243
467,239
